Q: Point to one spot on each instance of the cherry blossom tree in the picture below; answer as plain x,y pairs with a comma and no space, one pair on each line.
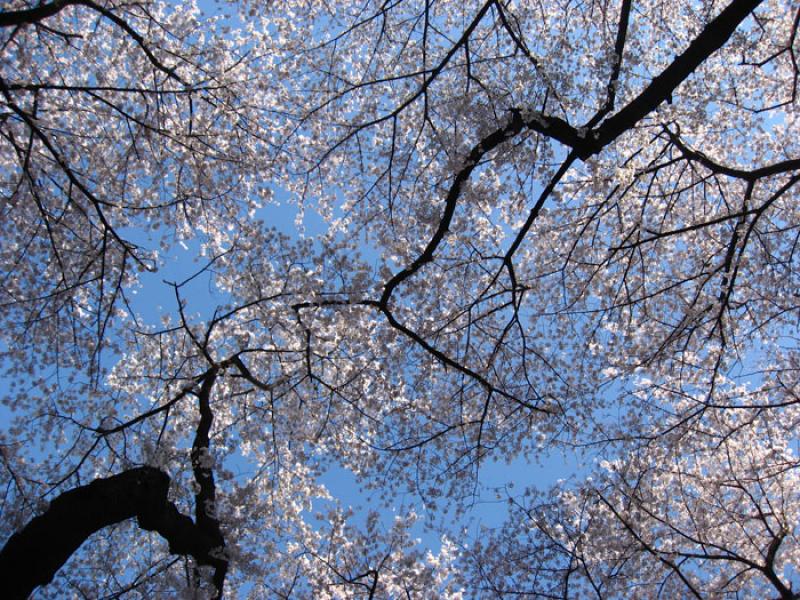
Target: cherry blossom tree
547,225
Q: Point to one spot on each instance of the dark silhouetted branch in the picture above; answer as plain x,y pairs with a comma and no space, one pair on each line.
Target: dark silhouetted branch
33,555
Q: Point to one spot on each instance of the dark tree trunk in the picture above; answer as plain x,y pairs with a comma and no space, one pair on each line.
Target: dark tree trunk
33,555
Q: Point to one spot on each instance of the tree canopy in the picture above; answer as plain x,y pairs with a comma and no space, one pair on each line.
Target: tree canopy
561,225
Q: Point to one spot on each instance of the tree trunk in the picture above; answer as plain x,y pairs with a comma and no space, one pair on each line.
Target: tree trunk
33,555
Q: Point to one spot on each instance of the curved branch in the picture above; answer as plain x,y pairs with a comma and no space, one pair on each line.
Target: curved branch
776,168
35,553
486,145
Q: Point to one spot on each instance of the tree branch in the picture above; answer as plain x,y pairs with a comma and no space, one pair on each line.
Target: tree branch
205,499
28,16
711,39
486,145
35,553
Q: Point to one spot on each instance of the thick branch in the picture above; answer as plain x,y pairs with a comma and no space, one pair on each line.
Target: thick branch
587,142
205,499
711,39
35,553
28,16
